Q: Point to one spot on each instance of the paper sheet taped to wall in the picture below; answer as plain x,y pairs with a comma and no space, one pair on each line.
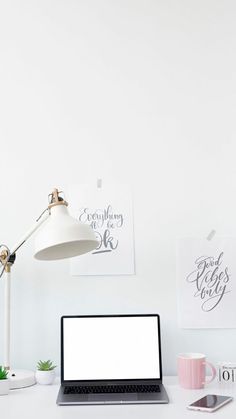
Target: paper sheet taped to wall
206,283
108,210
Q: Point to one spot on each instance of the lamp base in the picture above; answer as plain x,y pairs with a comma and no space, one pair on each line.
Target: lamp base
21,378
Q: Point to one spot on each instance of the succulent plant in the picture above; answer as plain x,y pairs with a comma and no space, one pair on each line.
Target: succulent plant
3,373
45,365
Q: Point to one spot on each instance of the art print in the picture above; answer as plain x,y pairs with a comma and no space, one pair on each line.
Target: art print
206,273
108,210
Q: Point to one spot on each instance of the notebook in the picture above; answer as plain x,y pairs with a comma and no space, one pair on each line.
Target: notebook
111,359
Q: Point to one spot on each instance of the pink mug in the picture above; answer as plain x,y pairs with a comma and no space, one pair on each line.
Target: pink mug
192,370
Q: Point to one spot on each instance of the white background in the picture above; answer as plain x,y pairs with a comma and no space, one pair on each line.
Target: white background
130,91
110,348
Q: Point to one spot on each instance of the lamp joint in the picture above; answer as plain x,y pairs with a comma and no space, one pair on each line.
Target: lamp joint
56,199
7,259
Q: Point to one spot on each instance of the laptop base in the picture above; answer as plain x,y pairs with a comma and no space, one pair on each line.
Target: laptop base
112,398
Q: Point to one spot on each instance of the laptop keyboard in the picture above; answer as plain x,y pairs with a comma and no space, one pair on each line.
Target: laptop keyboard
141,388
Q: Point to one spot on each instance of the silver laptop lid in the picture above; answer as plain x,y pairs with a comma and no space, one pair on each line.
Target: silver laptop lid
113,348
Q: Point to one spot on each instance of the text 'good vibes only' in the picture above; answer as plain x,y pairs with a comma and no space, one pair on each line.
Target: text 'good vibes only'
211,279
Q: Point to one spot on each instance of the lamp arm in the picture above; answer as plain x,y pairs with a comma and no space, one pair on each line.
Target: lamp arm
7,256
30,232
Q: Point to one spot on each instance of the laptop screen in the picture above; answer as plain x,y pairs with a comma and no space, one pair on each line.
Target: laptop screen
110,348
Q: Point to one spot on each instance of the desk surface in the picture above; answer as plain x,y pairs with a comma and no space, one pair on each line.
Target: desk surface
39,402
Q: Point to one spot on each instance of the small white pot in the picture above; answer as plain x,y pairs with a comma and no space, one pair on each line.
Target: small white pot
4,386
45,377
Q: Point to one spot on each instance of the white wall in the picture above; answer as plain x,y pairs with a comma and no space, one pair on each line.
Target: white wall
141,92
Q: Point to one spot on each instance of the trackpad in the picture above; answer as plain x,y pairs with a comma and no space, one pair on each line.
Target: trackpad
112,397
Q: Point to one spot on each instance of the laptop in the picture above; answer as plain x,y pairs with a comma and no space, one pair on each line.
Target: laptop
114,359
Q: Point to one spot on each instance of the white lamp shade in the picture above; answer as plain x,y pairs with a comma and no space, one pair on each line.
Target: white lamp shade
62,236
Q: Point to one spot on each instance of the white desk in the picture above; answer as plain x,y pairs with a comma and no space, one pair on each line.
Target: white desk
39,402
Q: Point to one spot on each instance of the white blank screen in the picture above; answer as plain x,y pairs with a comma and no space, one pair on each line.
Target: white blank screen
109,348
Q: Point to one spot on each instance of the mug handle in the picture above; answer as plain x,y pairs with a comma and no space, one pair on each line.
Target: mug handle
213,372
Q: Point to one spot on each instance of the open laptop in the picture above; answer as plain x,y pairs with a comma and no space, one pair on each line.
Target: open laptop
114,359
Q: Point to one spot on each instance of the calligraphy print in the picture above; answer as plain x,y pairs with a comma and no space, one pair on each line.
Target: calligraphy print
105,222
211,281
206,273
109,213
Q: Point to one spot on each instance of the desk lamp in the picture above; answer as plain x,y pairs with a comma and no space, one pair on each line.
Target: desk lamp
60,236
